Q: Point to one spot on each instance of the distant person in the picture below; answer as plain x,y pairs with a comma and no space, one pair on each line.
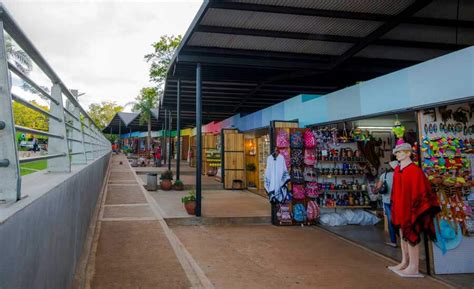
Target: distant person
387,177
35,145
157,155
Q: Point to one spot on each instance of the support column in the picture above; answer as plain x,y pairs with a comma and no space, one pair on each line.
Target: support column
165,146
178,128
119,145
170,150
58,127
10,189
198,140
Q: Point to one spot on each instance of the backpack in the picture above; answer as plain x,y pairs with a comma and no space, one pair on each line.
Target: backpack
384,188
297,176
282,139
297,157
298,192
310,174
296,140
309,139
284,213
299,213
312,189
286,155
309,157
313,211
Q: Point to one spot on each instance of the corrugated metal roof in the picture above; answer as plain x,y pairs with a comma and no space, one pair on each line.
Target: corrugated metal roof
448,9
405,53
288,22
267,43
128,117
364,6
437,34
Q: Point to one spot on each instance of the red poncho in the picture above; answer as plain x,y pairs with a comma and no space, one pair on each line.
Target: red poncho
414,204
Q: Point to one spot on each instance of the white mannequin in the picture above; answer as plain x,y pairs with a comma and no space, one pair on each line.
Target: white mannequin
409,266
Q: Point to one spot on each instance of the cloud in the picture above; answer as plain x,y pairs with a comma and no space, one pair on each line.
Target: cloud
98,46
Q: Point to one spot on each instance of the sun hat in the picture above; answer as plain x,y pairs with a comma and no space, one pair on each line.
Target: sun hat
402,147
447,238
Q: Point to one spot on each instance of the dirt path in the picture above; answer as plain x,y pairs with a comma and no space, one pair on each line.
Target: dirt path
264,257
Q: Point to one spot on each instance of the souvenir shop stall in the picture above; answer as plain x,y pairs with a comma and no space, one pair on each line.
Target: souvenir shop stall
233,159
191,154
257,149
447,153
211,154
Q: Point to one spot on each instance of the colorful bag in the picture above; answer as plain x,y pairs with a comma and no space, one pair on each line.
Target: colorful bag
312,212
297,157
309,157
284,213
282,139
312,189
297,175
296,140
309,139
298,192
286,155
299,213
310,174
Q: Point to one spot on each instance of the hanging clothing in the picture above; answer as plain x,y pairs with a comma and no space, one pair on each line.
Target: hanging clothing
276,178
414,204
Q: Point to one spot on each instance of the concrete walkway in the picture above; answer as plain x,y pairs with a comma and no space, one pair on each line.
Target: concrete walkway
133,247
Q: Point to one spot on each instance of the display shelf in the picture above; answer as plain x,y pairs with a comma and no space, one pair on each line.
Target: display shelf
339,161
344,191
335,176
346,207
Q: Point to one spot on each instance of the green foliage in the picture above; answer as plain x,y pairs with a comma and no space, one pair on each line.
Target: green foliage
167,175
102,113
145,102
18,57
25,116
178,182
161,57
189,197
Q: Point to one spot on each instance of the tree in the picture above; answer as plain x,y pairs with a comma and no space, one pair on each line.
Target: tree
161,57
17,56
28,117
102,113
144,103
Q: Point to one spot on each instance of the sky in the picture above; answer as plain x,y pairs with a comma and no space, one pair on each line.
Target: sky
97,47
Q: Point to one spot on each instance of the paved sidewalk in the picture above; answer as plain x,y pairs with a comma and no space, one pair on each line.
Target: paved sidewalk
268,257
132,249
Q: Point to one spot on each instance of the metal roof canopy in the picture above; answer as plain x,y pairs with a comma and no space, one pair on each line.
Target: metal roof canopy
126,121
255,53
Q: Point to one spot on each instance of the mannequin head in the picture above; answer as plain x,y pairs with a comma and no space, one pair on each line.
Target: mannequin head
403,155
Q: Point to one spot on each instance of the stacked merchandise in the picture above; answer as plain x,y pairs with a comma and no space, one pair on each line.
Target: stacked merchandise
213,159
448,151
296,146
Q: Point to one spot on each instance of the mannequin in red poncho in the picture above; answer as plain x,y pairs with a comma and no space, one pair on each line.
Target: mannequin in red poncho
414,206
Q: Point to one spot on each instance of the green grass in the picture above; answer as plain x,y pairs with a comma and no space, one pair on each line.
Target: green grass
29,168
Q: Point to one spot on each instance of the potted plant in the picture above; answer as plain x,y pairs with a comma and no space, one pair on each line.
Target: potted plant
178,185
251,167
189,202
166,178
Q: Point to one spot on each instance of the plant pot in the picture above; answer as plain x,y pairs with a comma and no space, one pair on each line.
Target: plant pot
166,185
190,207
178,187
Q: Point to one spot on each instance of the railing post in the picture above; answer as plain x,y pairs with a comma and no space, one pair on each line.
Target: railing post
56,145
88,140
78,149
10,189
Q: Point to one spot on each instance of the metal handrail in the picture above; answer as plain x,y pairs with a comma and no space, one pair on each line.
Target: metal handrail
71,114
39,158
37,132
73,127
34,107
73,139
28,80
